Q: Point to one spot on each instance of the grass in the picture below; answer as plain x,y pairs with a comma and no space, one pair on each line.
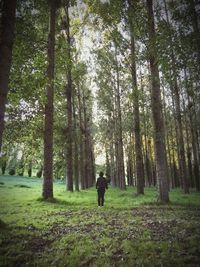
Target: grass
71,231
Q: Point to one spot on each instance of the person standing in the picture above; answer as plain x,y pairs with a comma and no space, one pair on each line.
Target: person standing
101,186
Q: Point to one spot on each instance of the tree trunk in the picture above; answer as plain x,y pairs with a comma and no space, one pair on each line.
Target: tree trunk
92,160
68,92
108,167
116,144
81,145
147,161
194,142
175,95
175,176
111,149
120,164
90,156
189,154
176,181
179,165
167,136
195,153
6,44
89,151
195,24
138,143
129,167
86,148
156,105
48,127
151,160
76,150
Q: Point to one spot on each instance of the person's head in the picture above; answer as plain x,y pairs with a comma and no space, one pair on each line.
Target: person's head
101,174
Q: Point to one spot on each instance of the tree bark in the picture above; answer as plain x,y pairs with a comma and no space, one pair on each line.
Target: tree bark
92,156
189,154
6,45
89,162
81,145
195,25
156,105
76,150
194,142
138,143
167,137
111,149
175,95
48,124
68,92
129,165
120,164
86,148
147,161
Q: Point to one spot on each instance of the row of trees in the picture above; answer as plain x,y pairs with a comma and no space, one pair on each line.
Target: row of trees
58,118
152,101
143,59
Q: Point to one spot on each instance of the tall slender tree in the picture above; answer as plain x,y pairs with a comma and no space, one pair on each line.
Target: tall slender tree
138,144
119,138
81,144
156,105
175,95
75,148
7,29
68,92
49,108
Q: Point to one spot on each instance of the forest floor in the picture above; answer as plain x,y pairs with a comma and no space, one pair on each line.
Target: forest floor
72,231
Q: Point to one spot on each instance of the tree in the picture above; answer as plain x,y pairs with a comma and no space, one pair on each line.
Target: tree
6,44
156,105
48,127
138,144
176,98
68,92
118,125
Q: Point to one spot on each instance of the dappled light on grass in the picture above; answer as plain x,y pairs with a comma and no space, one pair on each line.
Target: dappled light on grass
29,189
70,230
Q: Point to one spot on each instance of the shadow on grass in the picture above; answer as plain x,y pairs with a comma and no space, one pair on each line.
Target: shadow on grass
187,205
170,204
57,201
22,186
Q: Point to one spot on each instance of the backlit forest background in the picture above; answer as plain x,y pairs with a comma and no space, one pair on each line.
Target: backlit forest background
119,79
100,85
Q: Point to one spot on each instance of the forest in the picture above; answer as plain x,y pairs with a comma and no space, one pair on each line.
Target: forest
90,86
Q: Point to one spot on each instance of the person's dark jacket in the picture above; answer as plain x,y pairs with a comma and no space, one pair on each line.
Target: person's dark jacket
101,183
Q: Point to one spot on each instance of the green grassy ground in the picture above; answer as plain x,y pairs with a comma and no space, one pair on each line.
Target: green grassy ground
129,231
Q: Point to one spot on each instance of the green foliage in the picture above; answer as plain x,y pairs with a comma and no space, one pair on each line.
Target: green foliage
110,11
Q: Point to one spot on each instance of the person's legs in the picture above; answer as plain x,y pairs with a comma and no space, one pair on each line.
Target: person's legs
102,198
99,197
101,193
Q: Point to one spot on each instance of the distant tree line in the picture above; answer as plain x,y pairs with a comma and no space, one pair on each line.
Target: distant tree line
143,62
